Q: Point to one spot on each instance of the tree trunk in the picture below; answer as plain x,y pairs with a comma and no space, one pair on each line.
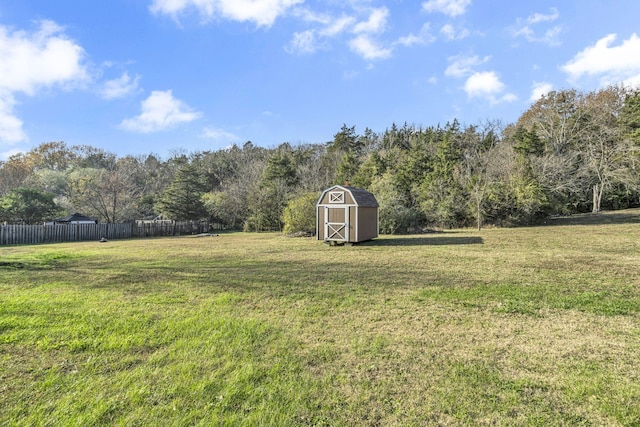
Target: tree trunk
597,197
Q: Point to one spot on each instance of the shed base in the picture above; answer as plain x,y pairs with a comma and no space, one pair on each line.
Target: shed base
341,243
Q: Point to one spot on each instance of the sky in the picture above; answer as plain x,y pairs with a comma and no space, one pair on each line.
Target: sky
137,77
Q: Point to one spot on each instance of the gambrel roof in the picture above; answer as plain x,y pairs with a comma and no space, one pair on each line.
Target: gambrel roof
361,197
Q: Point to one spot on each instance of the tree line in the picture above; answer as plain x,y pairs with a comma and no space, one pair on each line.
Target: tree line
570,152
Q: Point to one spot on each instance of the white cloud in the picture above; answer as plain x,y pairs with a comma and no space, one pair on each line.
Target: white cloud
448,7
610,64
541,17
550,37
335,27
160,111
367,26
487,85
309,15
527,28
303,43
539,89
424,37
483,83
368,49
262,12
10,126
450,33
461,66
30,62
219,135
120,87
633,81
376,23
507,97
309,41
44,58
363,44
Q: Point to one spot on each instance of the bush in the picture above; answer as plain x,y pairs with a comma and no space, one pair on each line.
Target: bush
300,214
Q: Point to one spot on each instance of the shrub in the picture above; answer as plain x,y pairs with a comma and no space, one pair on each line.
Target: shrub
300,214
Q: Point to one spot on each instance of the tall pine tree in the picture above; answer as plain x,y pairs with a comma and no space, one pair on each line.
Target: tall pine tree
182,200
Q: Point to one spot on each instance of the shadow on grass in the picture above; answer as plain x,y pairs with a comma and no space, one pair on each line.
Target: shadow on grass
11,264
627,216
426,241
38,262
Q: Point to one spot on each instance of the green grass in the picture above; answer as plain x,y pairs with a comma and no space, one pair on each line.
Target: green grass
528,326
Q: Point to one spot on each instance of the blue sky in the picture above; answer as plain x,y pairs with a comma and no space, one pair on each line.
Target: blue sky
160,76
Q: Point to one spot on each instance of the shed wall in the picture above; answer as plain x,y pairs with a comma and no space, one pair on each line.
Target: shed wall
320,222
367,223
353,220
363,222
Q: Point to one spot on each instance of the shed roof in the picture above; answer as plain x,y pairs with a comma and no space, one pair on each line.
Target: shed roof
362,197
75,217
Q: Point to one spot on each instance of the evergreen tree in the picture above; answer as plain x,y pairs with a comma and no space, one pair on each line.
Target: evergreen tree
441,198
281,166
276,186
370,169
347,140
395,213
182,200
347,168
527,142
630,116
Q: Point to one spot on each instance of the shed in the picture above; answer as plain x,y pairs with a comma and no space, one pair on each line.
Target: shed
346,214
76,218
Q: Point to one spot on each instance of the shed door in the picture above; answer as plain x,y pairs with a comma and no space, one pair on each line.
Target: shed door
336,223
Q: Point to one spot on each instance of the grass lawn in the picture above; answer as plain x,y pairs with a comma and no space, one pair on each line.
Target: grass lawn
526,326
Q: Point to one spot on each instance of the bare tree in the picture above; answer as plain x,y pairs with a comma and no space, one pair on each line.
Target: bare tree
607,157
478,168
560,121
111,194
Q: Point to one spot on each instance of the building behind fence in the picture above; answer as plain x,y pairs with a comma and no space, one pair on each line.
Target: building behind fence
32,234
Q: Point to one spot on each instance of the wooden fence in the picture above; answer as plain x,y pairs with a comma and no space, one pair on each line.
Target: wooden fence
32,234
